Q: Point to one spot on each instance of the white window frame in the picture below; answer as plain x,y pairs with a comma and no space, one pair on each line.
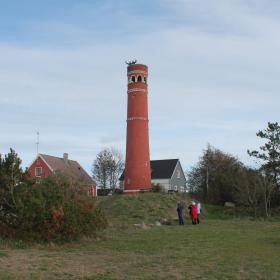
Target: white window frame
38,174
178,174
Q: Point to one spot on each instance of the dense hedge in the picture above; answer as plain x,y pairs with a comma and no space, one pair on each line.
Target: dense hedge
54,209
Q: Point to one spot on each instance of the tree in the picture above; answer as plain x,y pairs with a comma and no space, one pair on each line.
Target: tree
107,167
270,152
248,191
11,175
215,176
100,168
116,166
268,186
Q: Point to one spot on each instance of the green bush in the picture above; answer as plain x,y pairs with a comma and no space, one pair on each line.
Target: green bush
54,209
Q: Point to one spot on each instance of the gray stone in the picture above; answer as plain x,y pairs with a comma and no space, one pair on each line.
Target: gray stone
165,221
229,204
142,225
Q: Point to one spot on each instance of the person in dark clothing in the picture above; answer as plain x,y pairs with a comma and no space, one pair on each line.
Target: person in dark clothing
190,211
180,211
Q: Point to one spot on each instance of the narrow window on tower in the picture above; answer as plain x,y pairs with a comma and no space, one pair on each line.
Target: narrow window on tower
133,79
145,79
139,79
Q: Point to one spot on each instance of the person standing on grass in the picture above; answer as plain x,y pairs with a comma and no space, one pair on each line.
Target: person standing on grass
194,213
190,210
180,211
199,211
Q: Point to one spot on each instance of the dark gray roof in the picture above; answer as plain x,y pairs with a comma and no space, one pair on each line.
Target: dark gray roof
161,169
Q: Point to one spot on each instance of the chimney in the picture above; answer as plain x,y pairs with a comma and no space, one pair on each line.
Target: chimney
65,158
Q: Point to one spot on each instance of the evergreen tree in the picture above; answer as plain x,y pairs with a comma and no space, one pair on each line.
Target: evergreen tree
11,175
269,153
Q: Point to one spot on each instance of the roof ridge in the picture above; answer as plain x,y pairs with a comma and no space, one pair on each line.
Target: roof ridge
73,167
57,157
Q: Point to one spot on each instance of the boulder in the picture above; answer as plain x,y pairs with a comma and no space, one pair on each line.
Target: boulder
229,204
142,225
165,221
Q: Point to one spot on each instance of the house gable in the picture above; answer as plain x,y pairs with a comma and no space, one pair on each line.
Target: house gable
39,162
178,180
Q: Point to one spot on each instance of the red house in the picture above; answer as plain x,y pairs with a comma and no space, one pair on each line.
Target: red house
45,165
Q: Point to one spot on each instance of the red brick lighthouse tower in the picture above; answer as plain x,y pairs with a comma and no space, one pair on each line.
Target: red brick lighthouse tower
137,165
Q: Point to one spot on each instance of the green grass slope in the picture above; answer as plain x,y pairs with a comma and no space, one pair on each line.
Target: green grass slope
147,207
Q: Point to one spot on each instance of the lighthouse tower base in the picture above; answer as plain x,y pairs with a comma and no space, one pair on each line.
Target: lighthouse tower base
136,192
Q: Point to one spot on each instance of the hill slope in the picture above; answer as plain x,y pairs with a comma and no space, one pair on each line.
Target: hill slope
148,207
215,249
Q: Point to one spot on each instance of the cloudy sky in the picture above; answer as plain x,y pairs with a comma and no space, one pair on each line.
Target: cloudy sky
213,75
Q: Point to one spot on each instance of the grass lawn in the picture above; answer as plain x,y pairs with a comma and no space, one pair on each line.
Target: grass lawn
216,249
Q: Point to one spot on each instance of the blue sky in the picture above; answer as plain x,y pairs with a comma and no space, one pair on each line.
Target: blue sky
213,75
